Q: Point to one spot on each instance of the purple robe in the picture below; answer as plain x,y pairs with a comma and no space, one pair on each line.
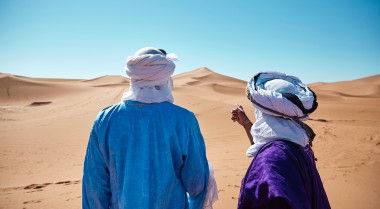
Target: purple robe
283,175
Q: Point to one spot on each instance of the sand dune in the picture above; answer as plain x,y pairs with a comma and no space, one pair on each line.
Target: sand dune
16,90
107,81
203,76
45,124
368,87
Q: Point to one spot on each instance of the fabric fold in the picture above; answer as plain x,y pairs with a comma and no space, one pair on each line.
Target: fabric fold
212,190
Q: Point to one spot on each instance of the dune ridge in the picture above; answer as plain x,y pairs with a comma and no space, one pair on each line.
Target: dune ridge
368,87
45,125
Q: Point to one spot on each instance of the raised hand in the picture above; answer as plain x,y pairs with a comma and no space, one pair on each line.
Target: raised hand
238,115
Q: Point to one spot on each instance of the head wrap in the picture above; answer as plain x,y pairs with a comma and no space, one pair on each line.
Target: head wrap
281,95
282,102
150,70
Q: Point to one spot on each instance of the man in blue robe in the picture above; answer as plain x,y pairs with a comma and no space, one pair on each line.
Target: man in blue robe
145,152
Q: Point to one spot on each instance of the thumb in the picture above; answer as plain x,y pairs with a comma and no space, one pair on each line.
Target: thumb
239,107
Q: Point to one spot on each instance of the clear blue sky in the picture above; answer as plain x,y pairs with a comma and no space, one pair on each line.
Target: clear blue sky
326,40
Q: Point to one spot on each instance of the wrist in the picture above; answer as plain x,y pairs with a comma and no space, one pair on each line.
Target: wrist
247,123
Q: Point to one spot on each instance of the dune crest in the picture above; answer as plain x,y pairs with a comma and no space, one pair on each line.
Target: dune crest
21,91
205,76
368,87
107,81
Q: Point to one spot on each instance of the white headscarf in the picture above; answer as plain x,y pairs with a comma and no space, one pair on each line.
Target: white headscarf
276,116
150,70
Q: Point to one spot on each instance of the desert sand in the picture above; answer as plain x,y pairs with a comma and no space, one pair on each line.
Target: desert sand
45,125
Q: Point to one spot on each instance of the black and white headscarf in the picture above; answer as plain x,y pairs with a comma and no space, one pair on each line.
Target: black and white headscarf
282,102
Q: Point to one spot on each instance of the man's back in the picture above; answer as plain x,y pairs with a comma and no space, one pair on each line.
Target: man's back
145,156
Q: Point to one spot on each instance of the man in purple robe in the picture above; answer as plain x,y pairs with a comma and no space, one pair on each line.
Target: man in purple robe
282,174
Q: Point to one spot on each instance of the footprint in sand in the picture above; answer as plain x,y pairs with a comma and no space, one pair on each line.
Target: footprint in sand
39,187
68,182
36,186
64,182
39,103
32,201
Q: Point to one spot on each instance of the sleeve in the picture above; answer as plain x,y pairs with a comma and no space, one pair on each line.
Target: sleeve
195,171
212,190
96,182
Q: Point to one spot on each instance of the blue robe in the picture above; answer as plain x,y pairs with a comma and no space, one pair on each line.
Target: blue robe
144,156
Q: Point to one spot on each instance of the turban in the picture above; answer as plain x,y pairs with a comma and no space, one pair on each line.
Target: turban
150,71
282,102
281,95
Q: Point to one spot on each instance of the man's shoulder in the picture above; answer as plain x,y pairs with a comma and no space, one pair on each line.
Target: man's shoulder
173,108
107,110
178,109
111,107
168,105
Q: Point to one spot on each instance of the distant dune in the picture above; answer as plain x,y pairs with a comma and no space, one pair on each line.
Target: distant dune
368,87
45,124
107,81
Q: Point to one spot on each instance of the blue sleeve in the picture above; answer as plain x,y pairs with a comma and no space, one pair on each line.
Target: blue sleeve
195,172
96,191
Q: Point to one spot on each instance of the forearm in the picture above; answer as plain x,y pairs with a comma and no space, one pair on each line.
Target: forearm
238,115
247,127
